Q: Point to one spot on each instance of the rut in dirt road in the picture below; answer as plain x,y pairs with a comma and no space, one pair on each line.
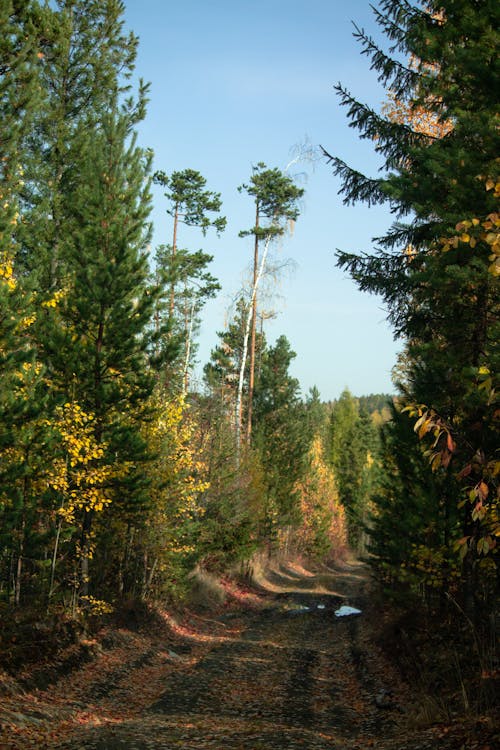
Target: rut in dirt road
298,677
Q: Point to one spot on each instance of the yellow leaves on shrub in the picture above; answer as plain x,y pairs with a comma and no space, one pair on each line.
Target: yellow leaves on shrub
55,299
96,607
483,495
7,272
79,474
177,472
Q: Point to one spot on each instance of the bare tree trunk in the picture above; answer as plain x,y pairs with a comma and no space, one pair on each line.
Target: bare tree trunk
189,338
125,559
172,256
54,559
239,400
85,552
148,578
19,566
251,378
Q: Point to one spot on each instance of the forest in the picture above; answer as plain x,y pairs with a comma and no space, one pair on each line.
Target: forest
118,477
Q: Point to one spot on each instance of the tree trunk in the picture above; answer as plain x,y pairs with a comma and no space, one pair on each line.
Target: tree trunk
22,534
85,553
251,378
239,399
148,576
189,323
54,560
19,566
172,257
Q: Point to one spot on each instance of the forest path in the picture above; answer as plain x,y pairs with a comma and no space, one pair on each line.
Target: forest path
294,676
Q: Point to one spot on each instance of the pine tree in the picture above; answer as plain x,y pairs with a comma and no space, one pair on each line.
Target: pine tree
183,273
102,351
276,199
83,240
86,59
22,398
18,100
187,272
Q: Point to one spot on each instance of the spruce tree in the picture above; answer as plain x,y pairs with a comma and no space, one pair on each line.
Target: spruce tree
437,285
279,435
413,515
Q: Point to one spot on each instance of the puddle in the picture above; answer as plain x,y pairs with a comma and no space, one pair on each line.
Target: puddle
346,611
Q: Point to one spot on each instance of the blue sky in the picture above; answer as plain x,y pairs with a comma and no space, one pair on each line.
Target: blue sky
234,83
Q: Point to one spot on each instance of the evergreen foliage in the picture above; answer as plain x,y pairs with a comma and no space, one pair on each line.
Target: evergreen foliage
414,514
279,430
183,274
352,450
80,240
437,282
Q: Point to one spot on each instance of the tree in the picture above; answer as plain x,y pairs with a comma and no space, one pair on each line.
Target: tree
19,99
22,436
85,61
349,454
168,549
276,202
101,353
222,373
433,182
234,502
22,391
323,530
86,203
279,435
189,271
316,415
413,514
191,204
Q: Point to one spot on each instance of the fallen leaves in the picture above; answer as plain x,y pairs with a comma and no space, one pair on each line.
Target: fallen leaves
276,677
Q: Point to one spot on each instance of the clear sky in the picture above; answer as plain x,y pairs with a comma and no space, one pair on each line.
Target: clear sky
235,82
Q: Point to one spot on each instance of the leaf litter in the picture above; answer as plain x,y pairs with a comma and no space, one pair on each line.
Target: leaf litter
287,673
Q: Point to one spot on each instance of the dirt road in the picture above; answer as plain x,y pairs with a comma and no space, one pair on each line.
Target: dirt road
296,676
284,676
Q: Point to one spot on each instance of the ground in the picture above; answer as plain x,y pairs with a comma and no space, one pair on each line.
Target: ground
276,670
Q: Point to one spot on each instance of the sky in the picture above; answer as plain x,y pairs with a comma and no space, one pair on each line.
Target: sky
237,82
